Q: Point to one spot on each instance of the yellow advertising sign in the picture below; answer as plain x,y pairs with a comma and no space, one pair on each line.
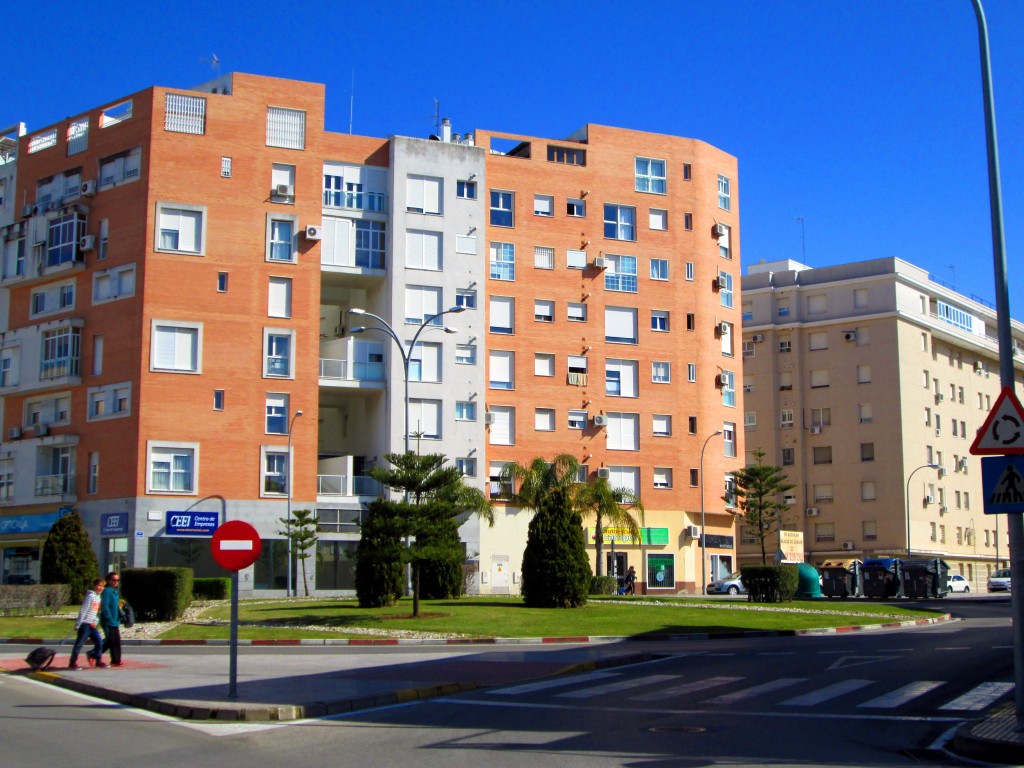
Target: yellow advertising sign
791,546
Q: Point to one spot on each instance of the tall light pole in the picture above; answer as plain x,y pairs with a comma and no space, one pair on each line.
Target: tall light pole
703,535
918,469
385,327
288,516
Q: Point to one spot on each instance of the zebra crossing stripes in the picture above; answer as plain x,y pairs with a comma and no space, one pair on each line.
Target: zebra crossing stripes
827,693
685,688
557,682
617,687
980,697
757,690
903,695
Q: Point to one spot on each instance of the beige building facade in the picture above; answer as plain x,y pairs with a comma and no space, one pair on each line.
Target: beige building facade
857,377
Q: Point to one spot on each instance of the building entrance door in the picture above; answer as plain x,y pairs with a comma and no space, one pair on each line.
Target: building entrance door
499,574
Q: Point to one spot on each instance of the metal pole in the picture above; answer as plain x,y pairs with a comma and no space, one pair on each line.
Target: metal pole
233,658
288,481
1006,379
923,466
703,535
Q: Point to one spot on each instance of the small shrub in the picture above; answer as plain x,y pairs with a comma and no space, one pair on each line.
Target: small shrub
604,585
157,594
211,589
770,583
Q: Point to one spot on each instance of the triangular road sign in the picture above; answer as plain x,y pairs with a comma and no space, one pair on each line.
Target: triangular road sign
1003,430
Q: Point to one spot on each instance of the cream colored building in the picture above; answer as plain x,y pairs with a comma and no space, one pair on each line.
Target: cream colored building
856,377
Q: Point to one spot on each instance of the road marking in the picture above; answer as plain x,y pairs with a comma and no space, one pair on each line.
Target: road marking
857,661
757,690
901,696
955,648
979,697
621,685
685,688
515,690
827,693
777,653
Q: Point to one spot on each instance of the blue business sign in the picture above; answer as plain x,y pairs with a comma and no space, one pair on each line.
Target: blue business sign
114,524
1002,479
192,523
29,523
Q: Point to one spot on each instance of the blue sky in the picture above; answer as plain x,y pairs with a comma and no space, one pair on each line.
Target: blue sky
862,117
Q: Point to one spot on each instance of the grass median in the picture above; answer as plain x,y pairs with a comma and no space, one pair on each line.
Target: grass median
488,617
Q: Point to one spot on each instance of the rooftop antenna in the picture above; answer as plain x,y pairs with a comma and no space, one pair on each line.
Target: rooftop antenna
952,268
352,101
803,240
213,61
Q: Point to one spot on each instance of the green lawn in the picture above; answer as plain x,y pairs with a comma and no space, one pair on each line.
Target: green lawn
484,617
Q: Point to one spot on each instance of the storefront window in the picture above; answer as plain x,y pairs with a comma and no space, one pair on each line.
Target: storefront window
182,552
20,565
661,572
335,565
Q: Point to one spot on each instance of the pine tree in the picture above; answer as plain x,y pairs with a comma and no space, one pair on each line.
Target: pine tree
379,556
302,530
758,488
68,557
556,572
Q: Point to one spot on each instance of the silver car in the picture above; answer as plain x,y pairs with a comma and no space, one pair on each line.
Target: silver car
730,585
999,581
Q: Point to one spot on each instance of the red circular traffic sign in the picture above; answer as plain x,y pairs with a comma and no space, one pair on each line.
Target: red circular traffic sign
236,545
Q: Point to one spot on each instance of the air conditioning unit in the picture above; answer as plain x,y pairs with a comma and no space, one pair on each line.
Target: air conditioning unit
723,328
42,430
693,531
28,210
963,465
813,511
943,510
850,336
53,205
14,433
314,232
88,188
815,430
600,420
929,499
977,363
489,417
719,230
604,472
939,397
600,262
722,379
943,472
748,388
284,190
847,545
757,338
87,242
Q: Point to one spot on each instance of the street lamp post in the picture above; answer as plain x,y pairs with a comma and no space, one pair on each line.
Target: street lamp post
703,534
288,516
923,466
385,327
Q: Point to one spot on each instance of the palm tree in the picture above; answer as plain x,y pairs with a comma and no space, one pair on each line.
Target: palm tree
600,499
531,483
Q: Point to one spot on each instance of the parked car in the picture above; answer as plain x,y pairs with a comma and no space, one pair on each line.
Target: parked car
958,583
730,585
999,581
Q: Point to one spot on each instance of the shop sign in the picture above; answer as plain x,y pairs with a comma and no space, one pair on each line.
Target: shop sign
622,536
192,523
29,523
114,524
715,541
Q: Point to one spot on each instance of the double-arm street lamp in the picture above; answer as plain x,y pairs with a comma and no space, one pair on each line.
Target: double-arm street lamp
703,529
288,516
923,466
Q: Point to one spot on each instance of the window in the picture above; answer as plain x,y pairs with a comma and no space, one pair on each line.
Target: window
817,304
544,419
543,364
577,367
277,414
786,418
52,298
503,261
623,431
724,193
281,239
864,413
650,175
659,269
465,411
286,128
729,438
566,155
14,258
860,297
662,477
62,236
423,194
620,274
662,425
120,168
465,354
172,467
691,321
725,335
691,372
501,209
279,299
425,419
661,372
821,417
77,137
502,369
97,355
222,282
688,221
277,353
724,237
658,219
689,271
543,257
621,378
629,478
620,325
465,297
577,419
867,490
576,207
218,399
619,222
725,288
817,340
176,347
788,457
180,229
422,303
823,454
729,389
575,259
225,167
466,466
824,531
659,320
422,249
819,378
543,205
577,312
863,374
109,401
502,314
425,362
823,493
544,311
465,190
692,425
503,429
275,471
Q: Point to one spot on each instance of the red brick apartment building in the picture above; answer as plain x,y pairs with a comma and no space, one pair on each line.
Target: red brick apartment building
178,269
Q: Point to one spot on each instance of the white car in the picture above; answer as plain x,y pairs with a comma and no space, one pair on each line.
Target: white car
999,581
958,583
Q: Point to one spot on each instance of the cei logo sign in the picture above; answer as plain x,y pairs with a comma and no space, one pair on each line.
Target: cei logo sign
192,523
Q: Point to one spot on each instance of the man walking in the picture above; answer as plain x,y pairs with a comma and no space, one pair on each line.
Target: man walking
110,618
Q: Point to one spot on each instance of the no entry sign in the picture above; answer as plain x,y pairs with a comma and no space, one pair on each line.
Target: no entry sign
236,545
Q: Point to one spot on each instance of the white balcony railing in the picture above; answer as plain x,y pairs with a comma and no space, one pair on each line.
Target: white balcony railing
347,370
343,485
54,485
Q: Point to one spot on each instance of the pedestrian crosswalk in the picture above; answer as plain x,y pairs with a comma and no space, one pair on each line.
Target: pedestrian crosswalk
803,692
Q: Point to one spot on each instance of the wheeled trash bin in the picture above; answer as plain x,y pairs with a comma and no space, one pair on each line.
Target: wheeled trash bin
882,577
840,578
925,577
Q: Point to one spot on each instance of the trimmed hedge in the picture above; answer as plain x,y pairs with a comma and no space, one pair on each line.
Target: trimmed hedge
770,583
211,589
33,599
604,585
157,594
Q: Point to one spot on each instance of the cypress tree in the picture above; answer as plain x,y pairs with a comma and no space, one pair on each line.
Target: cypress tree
68,557
556,571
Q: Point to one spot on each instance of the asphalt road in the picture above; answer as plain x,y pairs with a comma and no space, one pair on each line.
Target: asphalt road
883,698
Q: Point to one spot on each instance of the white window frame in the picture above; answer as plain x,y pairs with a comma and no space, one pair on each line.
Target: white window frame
543,257
168,208
544,205
272,245
662,425
104,402
183,448
465,410
661,372
543,310
285,457
544,419
268,334
155,325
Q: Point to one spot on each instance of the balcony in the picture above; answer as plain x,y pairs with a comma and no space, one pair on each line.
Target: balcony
349,370
55,485
375,202
333,486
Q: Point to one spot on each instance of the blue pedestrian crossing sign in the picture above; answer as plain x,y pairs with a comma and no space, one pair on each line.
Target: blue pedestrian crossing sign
1002,479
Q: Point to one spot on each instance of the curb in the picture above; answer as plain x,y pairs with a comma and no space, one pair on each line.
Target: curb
993,739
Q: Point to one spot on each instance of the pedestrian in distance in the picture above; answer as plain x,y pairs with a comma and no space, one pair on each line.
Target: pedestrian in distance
85,625
110,618
631,581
